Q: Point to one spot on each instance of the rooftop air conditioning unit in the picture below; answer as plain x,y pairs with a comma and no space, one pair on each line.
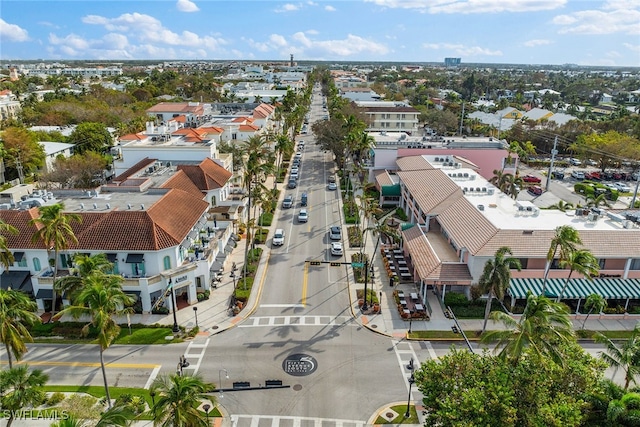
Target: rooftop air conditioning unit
490,191
593,217
457,165
480,207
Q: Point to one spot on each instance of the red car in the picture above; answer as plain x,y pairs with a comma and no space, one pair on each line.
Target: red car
531,179
535,190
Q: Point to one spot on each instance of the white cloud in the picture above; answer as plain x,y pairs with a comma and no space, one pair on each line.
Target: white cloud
618,16
462,50
471,6
301,44
632,47
12,32
186,6
537,42
288,7
329,8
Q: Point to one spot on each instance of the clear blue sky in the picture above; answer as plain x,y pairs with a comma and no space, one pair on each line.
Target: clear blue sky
584,32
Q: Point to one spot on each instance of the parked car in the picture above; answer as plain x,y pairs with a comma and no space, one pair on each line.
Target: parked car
335,233
303,199
557,174
592,162
294,170
577,174
278,237
575,162
336,248
621,186
292,184
531,179
594,176
535,190
287,202
332,186
303,216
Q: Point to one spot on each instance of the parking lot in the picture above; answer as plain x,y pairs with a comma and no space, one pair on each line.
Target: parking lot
563,189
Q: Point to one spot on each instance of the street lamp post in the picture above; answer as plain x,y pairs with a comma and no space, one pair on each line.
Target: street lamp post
410,321
411,381
175,328
226,375
371,275
195,312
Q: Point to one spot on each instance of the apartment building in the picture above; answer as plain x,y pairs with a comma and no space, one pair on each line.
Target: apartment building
390,116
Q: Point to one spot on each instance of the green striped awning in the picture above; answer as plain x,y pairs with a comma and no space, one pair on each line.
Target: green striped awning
609,288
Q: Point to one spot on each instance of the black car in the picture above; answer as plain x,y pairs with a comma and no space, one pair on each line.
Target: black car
557,175
292,183
303,200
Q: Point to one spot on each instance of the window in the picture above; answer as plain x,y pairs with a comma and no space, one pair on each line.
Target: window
635,264
523,262
22,262
167,262
36,264
601,263
213,200
66,261
234,136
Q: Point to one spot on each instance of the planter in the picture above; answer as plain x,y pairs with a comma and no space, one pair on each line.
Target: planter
376,307
360,302
239,304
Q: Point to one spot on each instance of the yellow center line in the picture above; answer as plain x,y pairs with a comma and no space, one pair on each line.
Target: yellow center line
86,364
305,277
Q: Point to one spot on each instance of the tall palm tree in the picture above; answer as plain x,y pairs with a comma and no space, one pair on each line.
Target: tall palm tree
496,276
564,240
178,398
53,228
84,265
542,326
626,357
6,257
17,314
21,388
594,302
101,299
597,200
582,262
117,416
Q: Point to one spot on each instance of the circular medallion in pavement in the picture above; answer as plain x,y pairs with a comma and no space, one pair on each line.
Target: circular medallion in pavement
300,365
297,387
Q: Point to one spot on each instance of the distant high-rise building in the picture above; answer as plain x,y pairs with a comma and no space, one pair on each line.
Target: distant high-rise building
451,62
291,63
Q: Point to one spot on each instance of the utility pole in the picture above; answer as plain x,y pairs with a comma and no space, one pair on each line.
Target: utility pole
19,168
554,153
461,119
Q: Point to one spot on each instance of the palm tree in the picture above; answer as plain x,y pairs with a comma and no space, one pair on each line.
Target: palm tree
626,357
564,240
594,302
496,276
17,314
178,398
53,228
120,416
101,299
6,257
597,200
562,206
84,265
581,261
542,326
21,388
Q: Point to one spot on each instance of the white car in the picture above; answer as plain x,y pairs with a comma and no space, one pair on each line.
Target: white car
278,237
303,216
294,170
621,186
332,186
336,248
577,174
575,162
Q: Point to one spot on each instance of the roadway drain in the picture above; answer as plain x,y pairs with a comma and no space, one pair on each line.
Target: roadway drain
374,326
214,327
297,387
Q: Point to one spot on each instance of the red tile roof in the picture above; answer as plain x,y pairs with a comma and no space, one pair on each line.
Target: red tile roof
248,127
177,107
133,137
263,111
180,180
208,175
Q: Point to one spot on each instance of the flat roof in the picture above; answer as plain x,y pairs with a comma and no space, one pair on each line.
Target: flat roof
508,214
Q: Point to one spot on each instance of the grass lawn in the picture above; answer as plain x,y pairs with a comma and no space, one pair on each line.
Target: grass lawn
400,419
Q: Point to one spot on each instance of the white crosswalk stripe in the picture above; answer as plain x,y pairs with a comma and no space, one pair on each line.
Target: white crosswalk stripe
282,421
271,321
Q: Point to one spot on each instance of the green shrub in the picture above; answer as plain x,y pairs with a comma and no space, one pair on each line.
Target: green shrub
355,236
400,214
55,398
455,299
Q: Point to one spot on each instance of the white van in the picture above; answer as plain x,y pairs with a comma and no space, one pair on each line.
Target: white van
278,237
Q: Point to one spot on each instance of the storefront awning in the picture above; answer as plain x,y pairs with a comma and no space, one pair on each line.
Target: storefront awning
44,294
16,280
608,288
135,258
